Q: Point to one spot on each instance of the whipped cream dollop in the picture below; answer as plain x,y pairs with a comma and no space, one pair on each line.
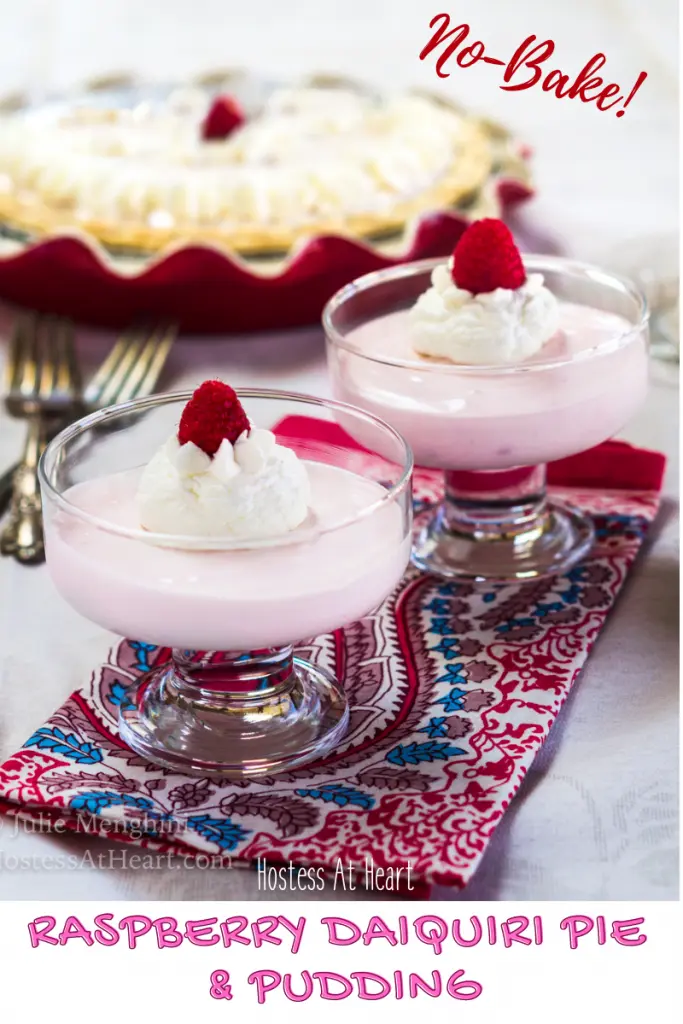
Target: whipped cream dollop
502,326
253,489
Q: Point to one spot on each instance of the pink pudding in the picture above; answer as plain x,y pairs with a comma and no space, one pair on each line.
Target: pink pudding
239,599
579,389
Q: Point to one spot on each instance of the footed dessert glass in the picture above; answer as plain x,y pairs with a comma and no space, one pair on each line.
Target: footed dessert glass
233,700
491,429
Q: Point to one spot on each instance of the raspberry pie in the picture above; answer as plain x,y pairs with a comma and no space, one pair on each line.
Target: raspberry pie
253,172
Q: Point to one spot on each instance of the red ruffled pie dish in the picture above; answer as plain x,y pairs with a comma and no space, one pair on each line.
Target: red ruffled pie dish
203,289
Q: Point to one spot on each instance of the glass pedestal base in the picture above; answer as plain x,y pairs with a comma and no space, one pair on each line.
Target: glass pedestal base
499,527
235,716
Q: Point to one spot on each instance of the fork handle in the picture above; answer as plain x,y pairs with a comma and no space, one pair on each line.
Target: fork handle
23,535
7,478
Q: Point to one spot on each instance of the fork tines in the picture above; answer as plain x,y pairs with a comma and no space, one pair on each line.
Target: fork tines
133,366
41,374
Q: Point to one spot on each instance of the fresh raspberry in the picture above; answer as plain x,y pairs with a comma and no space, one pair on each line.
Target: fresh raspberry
487,258
213,413
223,118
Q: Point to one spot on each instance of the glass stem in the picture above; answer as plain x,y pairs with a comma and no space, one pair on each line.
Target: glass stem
496,504
231,677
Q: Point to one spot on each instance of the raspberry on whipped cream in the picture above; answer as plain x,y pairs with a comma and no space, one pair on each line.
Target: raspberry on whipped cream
220,477
482,309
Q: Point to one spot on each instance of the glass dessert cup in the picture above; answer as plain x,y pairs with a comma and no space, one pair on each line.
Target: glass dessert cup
492,429
232,701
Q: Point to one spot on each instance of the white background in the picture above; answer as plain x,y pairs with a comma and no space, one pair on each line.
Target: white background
520,984
597,814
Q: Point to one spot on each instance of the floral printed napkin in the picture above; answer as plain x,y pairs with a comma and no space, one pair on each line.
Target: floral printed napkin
453,689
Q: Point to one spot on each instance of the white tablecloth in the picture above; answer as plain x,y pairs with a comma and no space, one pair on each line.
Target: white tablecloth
597,814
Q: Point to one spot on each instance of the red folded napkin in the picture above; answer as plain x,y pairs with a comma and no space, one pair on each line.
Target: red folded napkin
611,465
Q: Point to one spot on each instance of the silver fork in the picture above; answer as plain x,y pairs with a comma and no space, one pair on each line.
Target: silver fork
130,370
43,384
133,366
